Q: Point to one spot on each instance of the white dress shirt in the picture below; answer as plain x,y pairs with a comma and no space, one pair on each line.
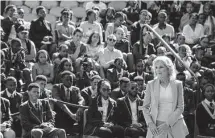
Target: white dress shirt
9,94
105,108
191,35
133,106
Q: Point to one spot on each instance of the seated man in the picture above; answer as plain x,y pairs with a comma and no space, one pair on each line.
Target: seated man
100,116
117,72
129,113
65,91
44,93
6,120
15,62
109,54
36,116
122,90
15,100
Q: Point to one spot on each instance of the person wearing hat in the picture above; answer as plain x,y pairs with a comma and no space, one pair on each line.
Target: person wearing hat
40,27
122,90
205,112
27,44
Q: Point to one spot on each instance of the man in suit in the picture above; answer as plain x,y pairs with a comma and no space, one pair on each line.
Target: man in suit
15,100
40,27
129,113
67,116
36,116
122,90
144,17
117,72
15,62
5,119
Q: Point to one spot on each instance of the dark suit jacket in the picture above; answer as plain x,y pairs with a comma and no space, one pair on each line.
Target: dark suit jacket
38,30
146,76
31,118
15,100
19,62
63,120
5,111
112,77
135,32
138,54
6,25
83,81
86,94
116,93
124,114
94,115
204,120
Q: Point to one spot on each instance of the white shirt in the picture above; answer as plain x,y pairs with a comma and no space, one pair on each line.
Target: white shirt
89,28
165,103
208,102
133,106
105,108
107,55
67,94
8,93
168,30
121,73
191,35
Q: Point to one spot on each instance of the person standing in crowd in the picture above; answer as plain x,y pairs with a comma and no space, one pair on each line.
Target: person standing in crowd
108,18
90,25
36,116
40,27
101,114
6,120
164,103
129,113
205,110
21,15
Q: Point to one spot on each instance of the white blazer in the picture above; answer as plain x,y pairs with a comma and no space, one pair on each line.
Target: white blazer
175,119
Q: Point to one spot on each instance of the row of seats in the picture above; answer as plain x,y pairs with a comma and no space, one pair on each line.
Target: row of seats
118,5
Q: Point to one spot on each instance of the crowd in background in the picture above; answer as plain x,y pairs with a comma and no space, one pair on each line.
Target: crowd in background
112,46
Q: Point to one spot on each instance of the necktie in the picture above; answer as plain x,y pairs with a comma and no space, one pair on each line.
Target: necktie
211,107
68,94
36,107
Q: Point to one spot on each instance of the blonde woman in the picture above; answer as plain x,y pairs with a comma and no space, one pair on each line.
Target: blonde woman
164,102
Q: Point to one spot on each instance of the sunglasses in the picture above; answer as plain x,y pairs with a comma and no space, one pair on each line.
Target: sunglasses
111,39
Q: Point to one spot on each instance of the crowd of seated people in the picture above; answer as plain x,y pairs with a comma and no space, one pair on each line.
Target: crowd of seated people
104,63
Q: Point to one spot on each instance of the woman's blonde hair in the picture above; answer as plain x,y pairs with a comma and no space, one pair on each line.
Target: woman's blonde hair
168,63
